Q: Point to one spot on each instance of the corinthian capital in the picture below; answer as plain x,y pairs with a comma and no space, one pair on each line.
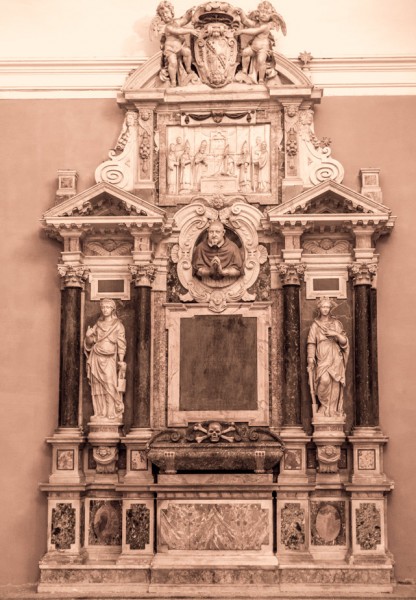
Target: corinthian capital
362,273
291,274
73,276
143,275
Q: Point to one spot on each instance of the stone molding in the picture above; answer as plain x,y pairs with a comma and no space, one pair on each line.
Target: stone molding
102,78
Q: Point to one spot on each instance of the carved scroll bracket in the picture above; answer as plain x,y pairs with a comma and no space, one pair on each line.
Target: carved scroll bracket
119,169
315,161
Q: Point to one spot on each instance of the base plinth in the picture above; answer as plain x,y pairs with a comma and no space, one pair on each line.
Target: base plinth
226,577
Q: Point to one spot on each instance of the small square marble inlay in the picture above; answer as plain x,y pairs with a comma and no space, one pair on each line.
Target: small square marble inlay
138,460
65,460
293,460
366,460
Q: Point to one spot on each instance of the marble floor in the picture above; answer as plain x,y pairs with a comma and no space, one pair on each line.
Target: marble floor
400,591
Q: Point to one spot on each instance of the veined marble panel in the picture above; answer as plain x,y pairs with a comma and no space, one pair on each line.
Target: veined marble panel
214,526
63,526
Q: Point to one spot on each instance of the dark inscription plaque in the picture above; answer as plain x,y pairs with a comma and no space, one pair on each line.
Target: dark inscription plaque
218,363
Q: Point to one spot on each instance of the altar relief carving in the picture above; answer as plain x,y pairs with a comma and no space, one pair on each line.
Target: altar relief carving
226,159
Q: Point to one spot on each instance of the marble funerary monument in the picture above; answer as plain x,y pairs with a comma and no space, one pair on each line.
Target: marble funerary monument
218,411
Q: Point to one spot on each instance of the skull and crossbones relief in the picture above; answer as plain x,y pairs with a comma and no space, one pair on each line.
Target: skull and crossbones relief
214,433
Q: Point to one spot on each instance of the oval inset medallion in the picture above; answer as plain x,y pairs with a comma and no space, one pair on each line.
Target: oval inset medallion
328,523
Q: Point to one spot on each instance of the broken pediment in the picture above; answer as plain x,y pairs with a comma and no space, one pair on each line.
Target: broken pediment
216,45
147,76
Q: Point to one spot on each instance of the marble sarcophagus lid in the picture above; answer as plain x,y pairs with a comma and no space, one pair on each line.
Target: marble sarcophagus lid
215,445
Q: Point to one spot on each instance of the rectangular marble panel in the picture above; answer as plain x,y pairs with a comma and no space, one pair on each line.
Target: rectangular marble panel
218,366
366,459
204,383
215,526
138,460
65,460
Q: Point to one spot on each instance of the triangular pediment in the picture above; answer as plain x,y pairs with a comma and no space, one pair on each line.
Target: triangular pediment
105,200
329,197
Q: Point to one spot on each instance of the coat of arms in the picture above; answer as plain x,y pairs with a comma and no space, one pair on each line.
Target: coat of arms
215,48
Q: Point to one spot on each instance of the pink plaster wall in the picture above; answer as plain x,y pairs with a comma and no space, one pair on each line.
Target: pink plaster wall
41,136
381,132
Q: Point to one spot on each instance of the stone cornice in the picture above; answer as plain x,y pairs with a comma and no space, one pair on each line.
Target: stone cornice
102,78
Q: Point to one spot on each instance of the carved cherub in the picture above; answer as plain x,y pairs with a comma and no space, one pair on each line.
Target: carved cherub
259,25
176,52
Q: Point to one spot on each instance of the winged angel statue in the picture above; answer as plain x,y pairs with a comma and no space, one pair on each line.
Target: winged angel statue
216,26
174,40
257,58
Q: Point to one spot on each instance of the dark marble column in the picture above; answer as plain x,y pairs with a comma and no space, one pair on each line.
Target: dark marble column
73,279
374,354
143,278
365,326
142,366
291,344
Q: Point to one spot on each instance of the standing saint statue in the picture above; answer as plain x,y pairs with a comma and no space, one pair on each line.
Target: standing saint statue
327,356
105,348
